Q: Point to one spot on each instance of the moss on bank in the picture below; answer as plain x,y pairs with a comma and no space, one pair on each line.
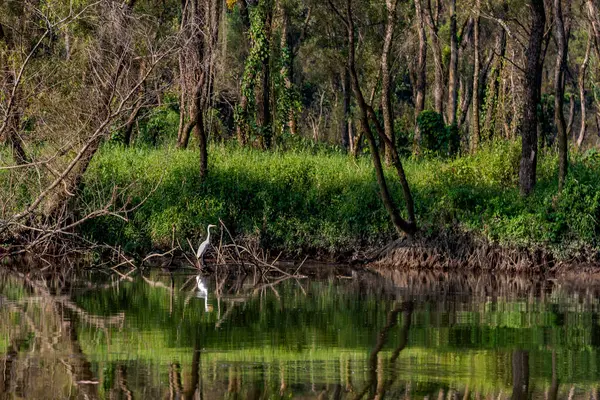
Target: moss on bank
326,202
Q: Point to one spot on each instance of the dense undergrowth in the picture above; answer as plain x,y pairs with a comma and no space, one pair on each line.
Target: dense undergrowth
326,202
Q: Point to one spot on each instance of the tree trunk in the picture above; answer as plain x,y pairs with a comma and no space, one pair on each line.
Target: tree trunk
475,132
264,99
571,119
128,130
399,223
287,68
183,85
345,123
532,89
200,22
559,115
11,120
438,91
595,23
202,139
466,90
421,70
241,126
386,103
581,85
453,69
137,107
213,11
492,97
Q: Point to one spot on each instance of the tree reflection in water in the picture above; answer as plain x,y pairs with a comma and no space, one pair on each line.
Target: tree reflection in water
405,335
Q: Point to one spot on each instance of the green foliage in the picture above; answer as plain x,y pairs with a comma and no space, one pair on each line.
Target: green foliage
288,101
319,200
259,53
436,138
295,201
303,334
159,127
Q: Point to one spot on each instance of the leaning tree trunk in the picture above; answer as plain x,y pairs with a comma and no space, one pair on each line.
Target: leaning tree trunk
581,85
401,225
559,115
532,82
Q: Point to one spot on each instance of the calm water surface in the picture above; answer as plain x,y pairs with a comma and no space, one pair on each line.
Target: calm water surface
389,335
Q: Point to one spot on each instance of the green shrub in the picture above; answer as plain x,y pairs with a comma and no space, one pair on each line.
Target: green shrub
436,138
159,127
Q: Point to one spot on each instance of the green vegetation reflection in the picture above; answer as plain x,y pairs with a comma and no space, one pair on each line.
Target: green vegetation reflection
154,334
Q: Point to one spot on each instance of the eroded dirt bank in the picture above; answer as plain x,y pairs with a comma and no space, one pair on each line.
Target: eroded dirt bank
458,251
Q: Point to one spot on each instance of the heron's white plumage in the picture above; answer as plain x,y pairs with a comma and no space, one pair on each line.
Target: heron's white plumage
204,245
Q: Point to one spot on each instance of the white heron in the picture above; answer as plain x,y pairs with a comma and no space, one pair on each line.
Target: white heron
204,245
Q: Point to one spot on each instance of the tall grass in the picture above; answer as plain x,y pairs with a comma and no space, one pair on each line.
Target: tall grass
293,200
302,201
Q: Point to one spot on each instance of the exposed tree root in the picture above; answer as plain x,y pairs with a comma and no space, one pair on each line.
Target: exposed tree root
455,250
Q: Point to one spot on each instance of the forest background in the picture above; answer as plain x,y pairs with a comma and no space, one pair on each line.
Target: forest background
317,127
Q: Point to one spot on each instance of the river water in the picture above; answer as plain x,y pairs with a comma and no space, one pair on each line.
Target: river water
391,335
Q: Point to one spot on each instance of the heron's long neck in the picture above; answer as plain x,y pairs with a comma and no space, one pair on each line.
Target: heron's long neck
208,236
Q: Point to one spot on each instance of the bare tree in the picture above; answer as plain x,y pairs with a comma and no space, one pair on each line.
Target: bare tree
200,32
76,125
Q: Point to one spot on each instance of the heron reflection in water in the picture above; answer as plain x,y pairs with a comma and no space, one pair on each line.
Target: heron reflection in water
202,292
